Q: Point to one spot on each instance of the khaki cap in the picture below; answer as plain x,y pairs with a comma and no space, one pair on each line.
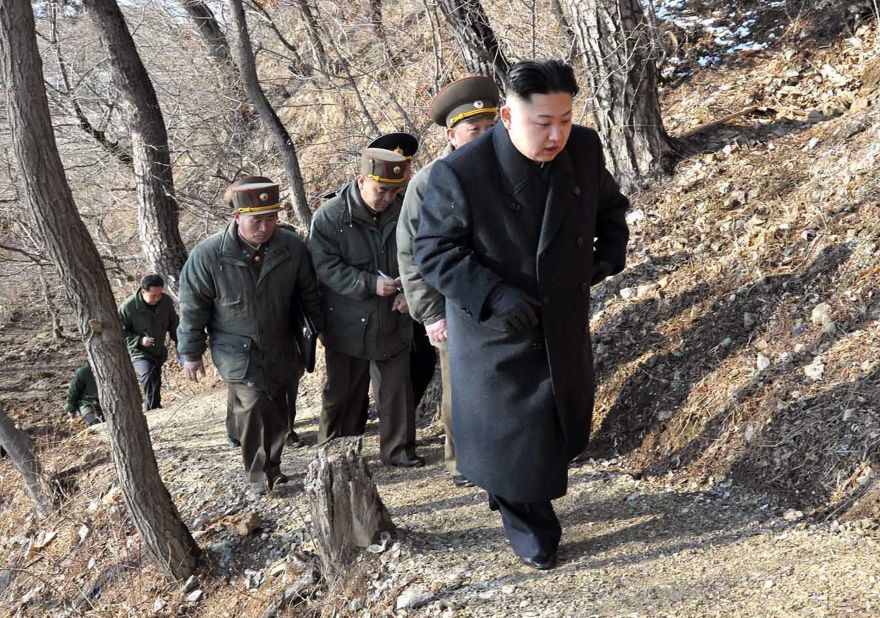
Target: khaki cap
385,167
468,97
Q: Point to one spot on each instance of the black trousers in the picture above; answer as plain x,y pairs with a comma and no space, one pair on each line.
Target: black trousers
260,422
422,362
531,527
149,373
346,397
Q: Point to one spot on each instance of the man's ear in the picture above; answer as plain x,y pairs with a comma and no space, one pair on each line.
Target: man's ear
505,116
450,137
360,182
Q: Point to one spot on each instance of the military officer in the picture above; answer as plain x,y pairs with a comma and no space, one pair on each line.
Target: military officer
236,295
147,318
514,229
368,330
82,397
465,109
422,355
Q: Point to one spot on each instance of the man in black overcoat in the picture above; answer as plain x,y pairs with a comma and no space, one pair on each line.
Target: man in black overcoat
515,229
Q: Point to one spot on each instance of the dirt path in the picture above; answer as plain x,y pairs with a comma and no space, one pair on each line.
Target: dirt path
630,547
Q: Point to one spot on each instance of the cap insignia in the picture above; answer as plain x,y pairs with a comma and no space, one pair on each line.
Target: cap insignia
479,104
396,169
264,197
399,150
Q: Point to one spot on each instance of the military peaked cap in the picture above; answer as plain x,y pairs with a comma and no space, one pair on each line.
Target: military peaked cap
255,198
385,167
468,97
401,143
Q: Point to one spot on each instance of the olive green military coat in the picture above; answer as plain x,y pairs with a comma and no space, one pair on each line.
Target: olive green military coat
349,247
139,320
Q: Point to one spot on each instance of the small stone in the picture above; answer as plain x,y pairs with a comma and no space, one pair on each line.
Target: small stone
763,362
749,320
725,343
158,605
194,597
821,314
413,598
815,370
768,584
191,584
848,414
792,515
627,293
247,524
508,589
83,532
355,605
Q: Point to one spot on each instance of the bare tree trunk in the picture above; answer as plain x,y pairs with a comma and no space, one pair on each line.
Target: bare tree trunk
270,119
567,30
66,240
314,35
21,451
616,40
158,211
482,53
241,121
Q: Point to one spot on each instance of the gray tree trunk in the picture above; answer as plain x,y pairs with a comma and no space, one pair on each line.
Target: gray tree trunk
616,41
270,119
347,511
66,241
479,45
313,33
18,446
242,121
158,211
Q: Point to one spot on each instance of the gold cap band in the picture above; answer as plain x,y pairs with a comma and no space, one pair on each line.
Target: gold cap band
473,112
387,181
257,209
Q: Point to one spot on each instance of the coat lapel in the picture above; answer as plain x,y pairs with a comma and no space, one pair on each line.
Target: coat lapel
559,199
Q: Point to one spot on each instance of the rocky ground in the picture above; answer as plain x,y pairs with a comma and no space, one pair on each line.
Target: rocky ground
631,547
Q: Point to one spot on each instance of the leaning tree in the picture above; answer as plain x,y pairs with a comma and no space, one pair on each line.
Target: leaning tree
479,45
616,41
53,215
158,211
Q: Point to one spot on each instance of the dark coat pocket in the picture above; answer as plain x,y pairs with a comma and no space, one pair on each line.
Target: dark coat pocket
231,355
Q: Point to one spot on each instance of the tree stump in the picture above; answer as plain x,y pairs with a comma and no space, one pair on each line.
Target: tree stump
347,511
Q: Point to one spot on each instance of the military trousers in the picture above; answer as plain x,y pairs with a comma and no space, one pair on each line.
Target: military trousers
446,410
532,528
260,421
149,373
91,413
346,397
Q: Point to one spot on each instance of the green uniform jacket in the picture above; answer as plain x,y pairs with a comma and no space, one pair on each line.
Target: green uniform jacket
426,305
349,248
82,389
139,320
246,318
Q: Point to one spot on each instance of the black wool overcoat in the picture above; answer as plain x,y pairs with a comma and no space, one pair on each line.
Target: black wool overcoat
522,402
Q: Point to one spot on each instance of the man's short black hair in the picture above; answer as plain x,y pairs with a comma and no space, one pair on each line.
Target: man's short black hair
152,281
541,77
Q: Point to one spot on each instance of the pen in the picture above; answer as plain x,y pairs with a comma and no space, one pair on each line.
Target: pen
383,275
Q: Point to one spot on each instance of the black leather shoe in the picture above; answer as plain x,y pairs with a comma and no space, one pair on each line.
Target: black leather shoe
542,563
459,480
414,462
233,441
293,440
278,480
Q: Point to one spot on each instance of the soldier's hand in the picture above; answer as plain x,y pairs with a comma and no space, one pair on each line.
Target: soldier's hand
386,287
437,332
518,310
399,304
147,342
192,369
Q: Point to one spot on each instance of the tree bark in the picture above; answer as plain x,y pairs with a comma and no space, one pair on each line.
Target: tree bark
55,219
479,45
248,68
158,211
18,446
347,511
314,35
616,41
241,119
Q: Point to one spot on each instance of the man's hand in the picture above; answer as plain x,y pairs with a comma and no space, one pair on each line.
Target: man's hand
437,332
147,342
192,369
387,287
399,304
517,309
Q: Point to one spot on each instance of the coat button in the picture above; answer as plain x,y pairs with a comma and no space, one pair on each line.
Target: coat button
363,319
585,287
580,241
515,206
546,300
577,190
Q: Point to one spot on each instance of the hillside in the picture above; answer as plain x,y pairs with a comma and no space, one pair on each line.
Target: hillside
734,465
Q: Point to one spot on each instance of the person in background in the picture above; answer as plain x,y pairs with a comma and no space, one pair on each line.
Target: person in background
82,397
148,318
